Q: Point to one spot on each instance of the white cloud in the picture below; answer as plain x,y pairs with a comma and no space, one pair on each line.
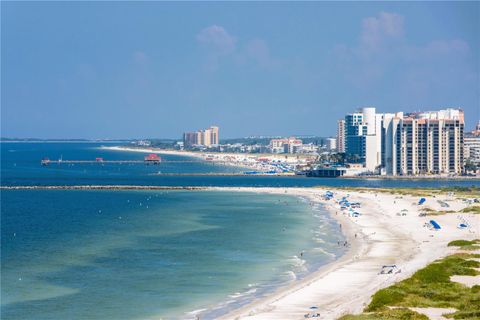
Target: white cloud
377,31
383,49
222,46
216,38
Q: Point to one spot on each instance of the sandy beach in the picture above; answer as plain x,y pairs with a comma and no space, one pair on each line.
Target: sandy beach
379,236
152,150
267,163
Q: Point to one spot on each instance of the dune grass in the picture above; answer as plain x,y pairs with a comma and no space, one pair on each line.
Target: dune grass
459,192
388,314
472,209
431,212
430,287
465,244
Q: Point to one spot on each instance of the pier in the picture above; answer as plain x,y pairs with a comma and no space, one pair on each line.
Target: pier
45,162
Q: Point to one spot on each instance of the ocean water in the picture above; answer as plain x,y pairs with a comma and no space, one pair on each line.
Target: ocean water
20,165
151,254
70,254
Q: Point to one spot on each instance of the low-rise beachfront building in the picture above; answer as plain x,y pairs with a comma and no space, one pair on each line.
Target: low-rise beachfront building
286,145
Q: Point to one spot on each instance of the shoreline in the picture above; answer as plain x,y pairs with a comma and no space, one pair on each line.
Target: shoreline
227,159
348,230
198,155
345,286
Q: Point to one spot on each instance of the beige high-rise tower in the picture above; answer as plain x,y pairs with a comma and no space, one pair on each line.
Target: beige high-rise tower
214,135
205,137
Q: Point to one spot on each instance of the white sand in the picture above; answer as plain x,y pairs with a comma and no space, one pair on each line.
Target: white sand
152,150
383,238
469,281
434,313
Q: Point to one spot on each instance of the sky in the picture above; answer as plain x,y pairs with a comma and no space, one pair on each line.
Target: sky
156,69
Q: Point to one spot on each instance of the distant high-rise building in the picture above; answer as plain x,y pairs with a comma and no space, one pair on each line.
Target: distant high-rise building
190,139
341,135
214,135
205,137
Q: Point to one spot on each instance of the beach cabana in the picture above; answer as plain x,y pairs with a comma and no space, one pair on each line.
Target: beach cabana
389,269
435,225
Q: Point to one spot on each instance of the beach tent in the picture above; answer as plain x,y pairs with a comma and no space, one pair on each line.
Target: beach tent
435,225
389,269
421,201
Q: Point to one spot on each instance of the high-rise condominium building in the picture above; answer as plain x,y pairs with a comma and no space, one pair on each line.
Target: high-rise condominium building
397,144
205,137
190,138
214,135
426,143
341,135
362,137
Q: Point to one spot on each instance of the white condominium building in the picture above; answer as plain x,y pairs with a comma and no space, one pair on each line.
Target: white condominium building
413,144
423,143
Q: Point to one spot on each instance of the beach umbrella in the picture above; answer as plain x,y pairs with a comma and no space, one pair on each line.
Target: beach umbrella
313,307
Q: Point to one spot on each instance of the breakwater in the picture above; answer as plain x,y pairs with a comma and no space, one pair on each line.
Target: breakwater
101,187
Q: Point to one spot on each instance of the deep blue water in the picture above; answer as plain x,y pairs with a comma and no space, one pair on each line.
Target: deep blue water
69,254
21,166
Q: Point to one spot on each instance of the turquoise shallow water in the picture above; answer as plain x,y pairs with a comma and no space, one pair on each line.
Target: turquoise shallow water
135,255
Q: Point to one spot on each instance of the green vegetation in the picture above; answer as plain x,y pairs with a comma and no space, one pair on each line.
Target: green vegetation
430,287
388,314
465,244
431,212
473,209
460,192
